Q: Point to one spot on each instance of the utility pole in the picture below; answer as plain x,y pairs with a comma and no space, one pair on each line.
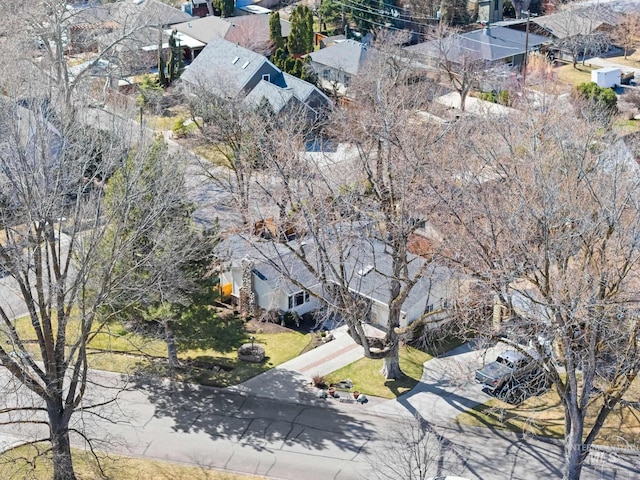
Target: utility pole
526,51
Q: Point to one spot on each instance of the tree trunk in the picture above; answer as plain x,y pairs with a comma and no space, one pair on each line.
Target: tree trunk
172,349
574,454
391,364
60,445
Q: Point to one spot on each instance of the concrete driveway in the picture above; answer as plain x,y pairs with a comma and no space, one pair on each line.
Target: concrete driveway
447,387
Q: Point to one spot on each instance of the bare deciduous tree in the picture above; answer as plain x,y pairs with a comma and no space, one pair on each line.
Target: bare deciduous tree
546,218
60,249
357,216
625,34
577,31
459,61
233,133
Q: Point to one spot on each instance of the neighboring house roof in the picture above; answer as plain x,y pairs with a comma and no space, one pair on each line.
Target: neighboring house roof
348,56
126,25
224,68
147,13
489,44
577,21
246,30
229,70
204,29
84,16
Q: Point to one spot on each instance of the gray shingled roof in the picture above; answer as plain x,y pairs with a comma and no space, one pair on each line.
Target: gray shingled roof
577,21
300,88
370,270
348,56
264,255
273,259
489,44
278,97
205,28
231,28
223,68
560,26
148,13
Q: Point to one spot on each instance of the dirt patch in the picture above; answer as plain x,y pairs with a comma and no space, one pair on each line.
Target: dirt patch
255,326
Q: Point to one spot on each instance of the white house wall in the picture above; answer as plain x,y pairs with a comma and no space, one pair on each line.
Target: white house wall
379,313
415,312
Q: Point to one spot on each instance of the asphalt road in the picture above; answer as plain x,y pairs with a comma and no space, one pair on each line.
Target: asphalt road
224,430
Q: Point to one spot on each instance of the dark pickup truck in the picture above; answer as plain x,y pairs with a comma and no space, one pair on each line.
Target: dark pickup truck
510,365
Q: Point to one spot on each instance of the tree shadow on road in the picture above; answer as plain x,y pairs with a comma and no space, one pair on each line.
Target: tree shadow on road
262,423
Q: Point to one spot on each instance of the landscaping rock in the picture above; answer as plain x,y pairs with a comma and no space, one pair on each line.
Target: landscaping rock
250,352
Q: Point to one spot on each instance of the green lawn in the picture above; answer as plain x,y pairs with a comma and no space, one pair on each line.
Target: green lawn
29,462
118,350
366,377
574,76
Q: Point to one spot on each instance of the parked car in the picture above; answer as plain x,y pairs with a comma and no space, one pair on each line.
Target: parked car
510,366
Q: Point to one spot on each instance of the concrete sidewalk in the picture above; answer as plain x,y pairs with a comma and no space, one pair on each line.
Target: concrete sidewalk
447,387
292,380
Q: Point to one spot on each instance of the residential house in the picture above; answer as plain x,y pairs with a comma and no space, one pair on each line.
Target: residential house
86,23
253,278
572,30
490,47
228,70
248,31
337,64
271,276
196,8
486,11
143,22
126,34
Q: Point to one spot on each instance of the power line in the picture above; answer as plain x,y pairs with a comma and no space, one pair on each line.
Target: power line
391,27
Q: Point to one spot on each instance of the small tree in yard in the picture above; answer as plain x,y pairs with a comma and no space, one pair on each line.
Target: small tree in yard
275,30
461,64
595,101
225,7
300,40
164,254
625,34
175,64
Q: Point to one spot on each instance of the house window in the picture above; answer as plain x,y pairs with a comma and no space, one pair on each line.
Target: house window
325,74
429,308
347,79
266,77
298,299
